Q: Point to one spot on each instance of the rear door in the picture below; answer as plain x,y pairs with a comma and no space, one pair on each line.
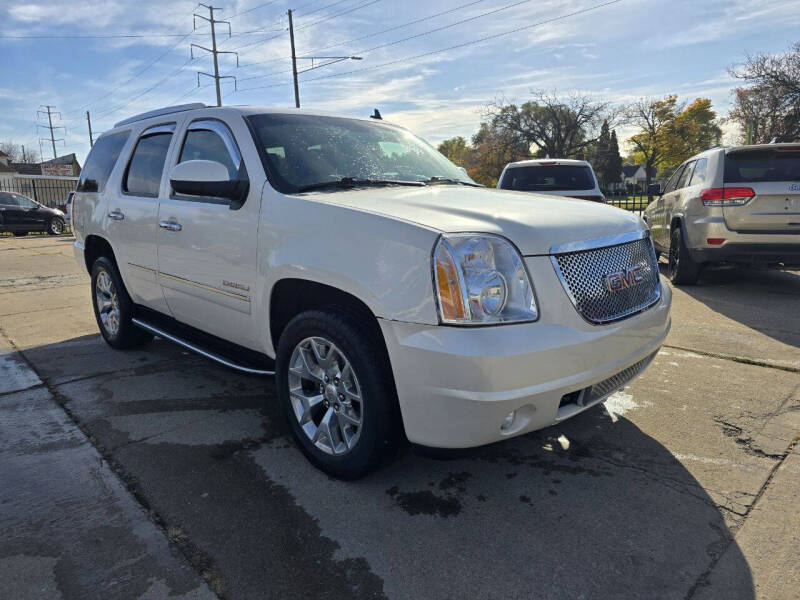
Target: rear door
133,216
773,175
207,246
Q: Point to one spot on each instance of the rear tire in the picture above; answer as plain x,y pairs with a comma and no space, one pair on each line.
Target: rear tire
682,270
113,307
56,226
20,233
337,392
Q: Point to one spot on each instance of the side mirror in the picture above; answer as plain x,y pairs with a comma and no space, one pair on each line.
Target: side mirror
654,189
464,170
207,178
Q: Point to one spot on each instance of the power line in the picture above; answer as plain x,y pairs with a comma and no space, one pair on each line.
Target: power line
414,22
411,37
244,12
87,36
214,51
339,14
465,44
316,10
137,75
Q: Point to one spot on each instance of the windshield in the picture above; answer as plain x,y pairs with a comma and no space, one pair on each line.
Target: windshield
303,151
761,165
547,178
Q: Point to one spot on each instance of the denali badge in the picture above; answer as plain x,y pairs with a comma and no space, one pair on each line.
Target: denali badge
620,280
238,286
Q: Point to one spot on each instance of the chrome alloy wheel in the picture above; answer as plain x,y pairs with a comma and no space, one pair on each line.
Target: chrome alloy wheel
325,395
107,301
56,226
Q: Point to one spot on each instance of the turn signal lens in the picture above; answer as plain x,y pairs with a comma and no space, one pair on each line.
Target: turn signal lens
451,299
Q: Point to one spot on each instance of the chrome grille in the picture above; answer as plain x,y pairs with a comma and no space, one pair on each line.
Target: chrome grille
583,274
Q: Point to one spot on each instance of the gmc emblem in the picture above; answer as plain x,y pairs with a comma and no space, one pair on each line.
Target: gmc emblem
621,280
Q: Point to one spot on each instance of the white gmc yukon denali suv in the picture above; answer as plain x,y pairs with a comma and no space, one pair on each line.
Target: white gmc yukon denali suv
392,297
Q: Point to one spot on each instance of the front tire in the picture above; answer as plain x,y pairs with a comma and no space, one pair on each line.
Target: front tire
55,226
113,307
337,392
682,270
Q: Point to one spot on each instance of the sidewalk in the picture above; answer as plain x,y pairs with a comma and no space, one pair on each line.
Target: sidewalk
68,526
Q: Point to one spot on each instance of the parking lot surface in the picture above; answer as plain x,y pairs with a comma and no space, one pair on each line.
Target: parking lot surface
156,473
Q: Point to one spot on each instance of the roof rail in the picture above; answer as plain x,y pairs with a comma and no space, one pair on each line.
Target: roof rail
161,111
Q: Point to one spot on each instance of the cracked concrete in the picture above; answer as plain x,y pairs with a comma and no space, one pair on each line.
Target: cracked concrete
681,487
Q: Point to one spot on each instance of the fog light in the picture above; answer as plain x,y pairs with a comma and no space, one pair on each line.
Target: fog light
508,421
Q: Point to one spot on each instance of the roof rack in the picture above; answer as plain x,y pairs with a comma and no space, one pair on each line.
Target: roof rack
167,110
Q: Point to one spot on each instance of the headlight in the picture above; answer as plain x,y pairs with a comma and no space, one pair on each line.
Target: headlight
481,279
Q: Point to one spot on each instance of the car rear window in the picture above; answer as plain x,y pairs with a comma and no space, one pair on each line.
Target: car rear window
101,161
762,165
548,178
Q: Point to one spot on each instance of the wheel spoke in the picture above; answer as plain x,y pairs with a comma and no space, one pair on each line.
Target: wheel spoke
345,416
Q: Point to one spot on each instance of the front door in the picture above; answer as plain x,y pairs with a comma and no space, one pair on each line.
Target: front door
207,247
132,219
9,211
30,214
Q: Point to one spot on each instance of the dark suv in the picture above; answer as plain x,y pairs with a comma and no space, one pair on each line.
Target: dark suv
19,215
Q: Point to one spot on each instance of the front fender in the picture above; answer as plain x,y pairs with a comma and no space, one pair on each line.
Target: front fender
384,262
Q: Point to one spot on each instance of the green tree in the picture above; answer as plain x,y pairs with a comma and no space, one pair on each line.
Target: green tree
614,166
457,150
670,132
602,155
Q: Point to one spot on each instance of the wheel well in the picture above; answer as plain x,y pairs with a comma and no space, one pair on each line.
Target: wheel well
93,248
290,297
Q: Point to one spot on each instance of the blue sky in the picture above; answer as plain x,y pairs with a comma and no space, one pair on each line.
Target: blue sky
619,52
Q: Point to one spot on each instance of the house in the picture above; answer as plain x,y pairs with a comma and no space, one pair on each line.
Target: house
634,177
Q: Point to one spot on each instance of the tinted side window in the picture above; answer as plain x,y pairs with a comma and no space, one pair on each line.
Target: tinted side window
202,144
700,172
670,187
101,161
687,173
143,177
26,202
7,199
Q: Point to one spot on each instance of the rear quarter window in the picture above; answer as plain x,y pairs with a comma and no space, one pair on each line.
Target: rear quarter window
100,162
755,166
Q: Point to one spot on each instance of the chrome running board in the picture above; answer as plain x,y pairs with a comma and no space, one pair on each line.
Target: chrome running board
189,346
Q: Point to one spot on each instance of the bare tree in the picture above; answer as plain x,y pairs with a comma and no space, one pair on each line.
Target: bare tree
16,155
557,126
768,106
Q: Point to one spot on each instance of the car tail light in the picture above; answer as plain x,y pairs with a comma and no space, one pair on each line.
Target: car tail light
592,198
732,196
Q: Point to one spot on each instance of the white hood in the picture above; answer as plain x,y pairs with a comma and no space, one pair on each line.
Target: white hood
533,222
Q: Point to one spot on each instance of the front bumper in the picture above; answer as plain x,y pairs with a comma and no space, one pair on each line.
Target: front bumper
749,248
457,384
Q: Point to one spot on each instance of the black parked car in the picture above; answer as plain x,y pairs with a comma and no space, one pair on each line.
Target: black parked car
19,214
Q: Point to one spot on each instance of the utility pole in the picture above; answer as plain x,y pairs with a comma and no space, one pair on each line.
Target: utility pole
89,121
295,58
213,50
50,112
294,63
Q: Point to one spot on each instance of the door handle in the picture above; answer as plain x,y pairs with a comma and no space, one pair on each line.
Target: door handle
116,214
170,225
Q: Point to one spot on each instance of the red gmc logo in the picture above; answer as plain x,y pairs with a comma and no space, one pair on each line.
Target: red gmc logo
621,280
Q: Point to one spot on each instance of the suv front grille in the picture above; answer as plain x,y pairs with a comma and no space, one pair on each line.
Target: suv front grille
612,282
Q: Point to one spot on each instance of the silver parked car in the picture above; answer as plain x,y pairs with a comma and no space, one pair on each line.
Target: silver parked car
736,205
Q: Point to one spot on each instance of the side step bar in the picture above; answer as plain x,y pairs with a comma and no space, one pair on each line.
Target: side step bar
189,346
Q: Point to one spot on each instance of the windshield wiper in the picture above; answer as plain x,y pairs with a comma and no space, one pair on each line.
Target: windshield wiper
351,182
436,179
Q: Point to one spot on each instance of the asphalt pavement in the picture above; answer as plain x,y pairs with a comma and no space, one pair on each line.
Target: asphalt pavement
155,473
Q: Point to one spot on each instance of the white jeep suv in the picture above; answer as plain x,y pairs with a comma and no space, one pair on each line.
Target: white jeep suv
392,297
